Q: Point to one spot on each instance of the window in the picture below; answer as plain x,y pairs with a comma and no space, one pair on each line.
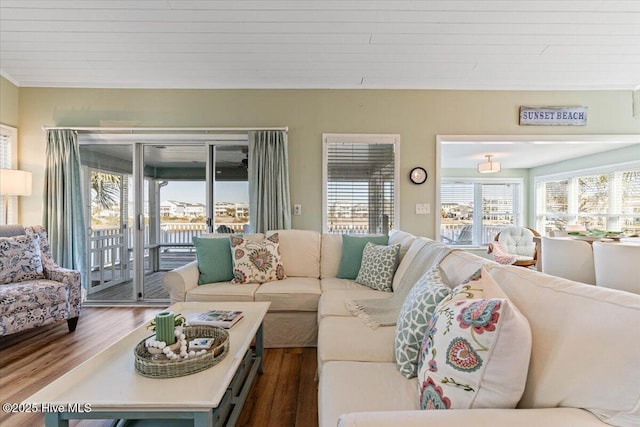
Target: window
8,160
603,199
461,223
360,183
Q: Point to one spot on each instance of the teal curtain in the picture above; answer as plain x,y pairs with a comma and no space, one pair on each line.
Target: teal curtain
63,215
269,199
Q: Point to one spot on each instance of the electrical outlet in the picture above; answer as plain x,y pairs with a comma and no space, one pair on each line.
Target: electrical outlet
297,210
423,208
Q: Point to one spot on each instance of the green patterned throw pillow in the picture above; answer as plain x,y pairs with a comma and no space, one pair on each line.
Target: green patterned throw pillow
378,266
414,318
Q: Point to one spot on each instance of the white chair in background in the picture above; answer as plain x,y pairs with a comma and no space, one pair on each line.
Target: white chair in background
568,258
617,265
518,242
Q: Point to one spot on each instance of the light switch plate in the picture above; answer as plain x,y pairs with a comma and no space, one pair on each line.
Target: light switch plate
423,208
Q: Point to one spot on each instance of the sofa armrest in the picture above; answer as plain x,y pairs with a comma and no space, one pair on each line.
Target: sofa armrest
179,281
73,279
548,417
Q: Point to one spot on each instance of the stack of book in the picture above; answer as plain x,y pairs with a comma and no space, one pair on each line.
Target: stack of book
220,318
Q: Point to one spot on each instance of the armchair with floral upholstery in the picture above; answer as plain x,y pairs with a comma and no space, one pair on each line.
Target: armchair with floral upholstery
34,290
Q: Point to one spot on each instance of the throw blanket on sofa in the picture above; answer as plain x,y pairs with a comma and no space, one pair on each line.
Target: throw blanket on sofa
384,312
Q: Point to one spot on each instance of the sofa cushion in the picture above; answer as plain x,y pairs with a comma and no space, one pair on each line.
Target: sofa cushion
332,303
378,265
475,352
413,319
407,260
20,259
548,417
222,291
256,262
347,338
33,294
300,252
583,333
337,284
214,259
459,265
357,387
351,255
291,294
330,254
402,238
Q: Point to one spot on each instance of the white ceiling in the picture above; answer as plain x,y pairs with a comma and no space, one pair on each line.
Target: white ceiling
428,44
523,154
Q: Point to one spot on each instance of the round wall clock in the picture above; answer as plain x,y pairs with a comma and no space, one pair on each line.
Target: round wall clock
418,175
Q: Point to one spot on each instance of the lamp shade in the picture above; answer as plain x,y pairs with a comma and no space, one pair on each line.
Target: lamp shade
14,182
489,166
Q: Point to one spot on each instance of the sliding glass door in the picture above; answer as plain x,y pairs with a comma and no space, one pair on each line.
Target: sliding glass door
174,210
145,203
108,173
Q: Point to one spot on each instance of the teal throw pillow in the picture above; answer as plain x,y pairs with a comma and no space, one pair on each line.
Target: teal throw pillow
379,264
413,320
351,258
214,259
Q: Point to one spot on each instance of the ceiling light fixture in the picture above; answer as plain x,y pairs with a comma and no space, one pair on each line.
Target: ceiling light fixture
489,166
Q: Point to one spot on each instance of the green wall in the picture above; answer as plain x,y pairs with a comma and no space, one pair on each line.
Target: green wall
620,155
9,103
417,115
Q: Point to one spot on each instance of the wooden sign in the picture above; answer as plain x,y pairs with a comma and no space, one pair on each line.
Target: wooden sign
553,116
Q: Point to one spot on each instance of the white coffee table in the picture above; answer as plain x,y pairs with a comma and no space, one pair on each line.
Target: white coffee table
110,387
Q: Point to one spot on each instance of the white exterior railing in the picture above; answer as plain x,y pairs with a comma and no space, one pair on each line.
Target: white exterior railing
452,231
110,255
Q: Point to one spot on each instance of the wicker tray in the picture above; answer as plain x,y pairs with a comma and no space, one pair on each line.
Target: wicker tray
158,366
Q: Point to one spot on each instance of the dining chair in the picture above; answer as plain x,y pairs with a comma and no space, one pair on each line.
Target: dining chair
568,258
617,265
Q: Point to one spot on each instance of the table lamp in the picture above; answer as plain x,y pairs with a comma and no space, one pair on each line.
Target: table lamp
13,182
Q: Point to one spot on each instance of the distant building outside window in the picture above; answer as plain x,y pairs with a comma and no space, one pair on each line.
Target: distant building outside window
360,183
473,210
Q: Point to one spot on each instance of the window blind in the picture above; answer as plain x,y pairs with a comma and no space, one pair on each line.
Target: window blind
609,200
630,192
5,163
360,187
556,196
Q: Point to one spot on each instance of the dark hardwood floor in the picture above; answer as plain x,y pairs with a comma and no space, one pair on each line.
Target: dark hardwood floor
285,395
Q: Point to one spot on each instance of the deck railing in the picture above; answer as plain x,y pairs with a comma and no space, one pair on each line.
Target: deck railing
452,231
110,254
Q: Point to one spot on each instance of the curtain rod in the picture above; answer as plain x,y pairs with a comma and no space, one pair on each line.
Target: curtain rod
162,129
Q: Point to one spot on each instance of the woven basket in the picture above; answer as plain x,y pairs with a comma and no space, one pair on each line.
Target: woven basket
159,366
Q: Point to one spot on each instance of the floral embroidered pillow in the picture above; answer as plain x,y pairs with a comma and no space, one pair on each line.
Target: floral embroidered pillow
256,262
475,352
20,259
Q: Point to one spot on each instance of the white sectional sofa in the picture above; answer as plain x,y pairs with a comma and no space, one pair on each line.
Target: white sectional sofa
584,367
